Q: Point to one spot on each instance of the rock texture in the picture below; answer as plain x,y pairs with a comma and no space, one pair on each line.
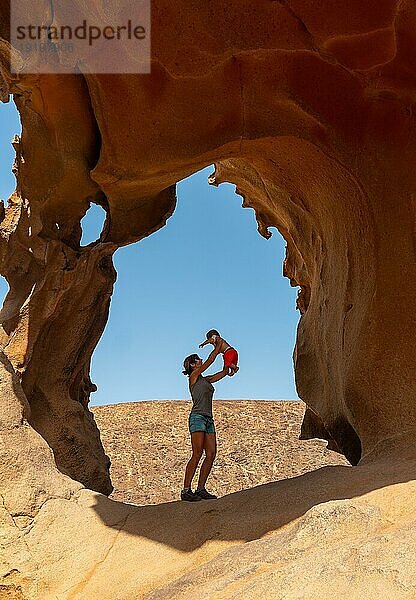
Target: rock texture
334,532
309,109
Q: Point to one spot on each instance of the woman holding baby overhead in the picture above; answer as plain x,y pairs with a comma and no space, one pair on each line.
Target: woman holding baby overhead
201,422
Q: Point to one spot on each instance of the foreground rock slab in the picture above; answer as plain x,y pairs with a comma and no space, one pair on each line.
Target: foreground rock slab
331,533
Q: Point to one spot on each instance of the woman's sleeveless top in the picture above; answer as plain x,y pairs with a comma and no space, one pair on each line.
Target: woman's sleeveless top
202,392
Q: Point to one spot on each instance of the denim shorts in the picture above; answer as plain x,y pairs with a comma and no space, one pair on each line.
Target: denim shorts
201,423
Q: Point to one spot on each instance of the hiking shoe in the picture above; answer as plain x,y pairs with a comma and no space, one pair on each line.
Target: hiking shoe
204,495
189,496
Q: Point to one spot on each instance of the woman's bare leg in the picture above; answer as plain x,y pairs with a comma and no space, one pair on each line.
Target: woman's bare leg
197,439
210,447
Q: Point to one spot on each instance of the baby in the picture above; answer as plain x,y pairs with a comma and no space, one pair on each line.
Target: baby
230,354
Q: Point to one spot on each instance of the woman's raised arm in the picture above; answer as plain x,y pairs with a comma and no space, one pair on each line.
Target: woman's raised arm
211,357
217,376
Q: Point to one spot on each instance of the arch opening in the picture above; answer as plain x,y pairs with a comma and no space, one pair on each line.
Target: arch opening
10,127
271,178
209,257
173,286
92,224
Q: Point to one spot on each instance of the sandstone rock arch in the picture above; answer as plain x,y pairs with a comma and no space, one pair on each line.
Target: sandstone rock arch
311,118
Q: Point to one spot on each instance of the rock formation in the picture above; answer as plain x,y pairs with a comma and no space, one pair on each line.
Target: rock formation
310,113
309,110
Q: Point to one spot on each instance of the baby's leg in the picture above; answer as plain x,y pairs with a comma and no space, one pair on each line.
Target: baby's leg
234,369
228,368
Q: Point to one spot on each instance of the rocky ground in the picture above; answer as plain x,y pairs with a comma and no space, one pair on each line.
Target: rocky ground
332,532
149,445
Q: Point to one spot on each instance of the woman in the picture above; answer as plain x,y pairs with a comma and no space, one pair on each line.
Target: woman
201,423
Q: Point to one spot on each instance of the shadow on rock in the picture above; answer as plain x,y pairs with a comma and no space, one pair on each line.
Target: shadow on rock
249,514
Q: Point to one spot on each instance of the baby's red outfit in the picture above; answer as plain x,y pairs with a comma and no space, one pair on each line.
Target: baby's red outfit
230,357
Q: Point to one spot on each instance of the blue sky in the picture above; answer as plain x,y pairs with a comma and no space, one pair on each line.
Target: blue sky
208,268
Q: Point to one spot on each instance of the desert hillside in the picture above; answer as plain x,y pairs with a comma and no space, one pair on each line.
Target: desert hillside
149,445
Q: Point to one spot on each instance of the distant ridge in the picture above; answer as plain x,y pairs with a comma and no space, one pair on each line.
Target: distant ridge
148,443
93,405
